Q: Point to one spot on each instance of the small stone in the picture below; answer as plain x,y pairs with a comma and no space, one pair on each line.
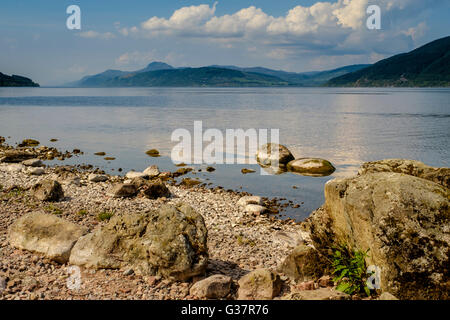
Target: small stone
261,284
214,287
135,174
156,189
307,285
2,284
36,171
325,281
123,190
254,209
387,296
48,190
152,171
97,177
32,163
128,272
249,200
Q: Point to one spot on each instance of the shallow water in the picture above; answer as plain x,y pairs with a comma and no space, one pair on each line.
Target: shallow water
345,126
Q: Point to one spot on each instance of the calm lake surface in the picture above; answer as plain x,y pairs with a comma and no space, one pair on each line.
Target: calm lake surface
344,126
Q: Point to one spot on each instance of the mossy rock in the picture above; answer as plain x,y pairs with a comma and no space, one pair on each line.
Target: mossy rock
153,153
311,166
29,143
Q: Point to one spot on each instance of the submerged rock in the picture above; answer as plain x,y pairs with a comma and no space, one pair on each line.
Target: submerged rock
311,166
403,220
245,171
29,143
48,190
273,154
152,153
170,242
45,234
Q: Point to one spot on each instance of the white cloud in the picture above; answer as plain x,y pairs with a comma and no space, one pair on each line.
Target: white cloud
97,35
138,59
327,28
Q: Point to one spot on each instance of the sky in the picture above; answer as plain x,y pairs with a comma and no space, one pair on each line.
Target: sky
297,36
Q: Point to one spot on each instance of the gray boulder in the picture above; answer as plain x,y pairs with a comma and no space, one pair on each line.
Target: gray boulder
273,154
311,166
48,190
124,190
403,220
410,167
215,287
170,242
45,234
260,284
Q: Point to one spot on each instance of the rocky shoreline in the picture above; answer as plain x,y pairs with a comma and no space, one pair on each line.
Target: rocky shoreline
249,254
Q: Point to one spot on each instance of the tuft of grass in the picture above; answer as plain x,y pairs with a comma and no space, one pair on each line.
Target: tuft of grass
244,241
53,209
82,212
104,216
349,268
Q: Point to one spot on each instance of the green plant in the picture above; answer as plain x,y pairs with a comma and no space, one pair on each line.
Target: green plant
349,268
83,212
53,209
106,215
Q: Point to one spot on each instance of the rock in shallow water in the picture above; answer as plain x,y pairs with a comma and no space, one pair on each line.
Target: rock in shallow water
311,166
273,154
170,242
45,234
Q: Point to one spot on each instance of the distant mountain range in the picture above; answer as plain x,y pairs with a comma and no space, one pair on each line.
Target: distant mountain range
427,66
158,74
16,81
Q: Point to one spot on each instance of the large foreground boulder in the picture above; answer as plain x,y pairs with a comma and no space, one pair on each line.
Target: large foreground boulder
170,242
403,220
411,167
45,234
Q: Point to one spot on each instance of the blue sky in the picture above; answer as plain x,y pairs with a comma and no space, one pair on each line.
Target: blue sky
283,34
